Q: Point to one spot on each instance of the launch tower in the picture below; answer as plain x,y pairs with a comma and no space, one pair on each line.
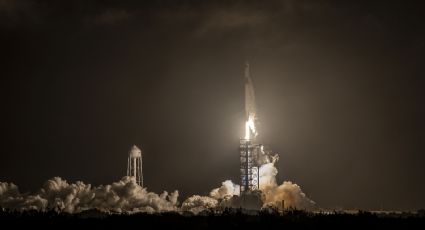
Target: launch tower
250,178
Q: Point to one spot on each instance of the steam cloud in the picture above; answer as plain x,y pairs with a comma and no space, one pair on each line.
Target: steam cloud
228,194
57,194
288,192
198,203
227,189
126,196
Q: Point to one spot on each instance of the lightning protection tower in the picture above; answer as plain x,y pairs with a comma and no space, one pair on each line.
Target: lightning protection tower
134,166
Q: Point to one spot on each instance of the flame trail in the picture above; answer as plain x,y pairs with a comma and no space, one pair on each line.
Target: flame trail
250,128
250,107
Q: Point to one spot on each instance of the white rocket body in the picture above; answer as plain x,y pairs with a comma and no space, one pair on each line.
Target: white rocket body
250,109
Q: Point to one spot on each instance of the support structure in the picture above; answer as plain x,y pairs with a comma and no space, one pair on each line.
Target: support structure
250,178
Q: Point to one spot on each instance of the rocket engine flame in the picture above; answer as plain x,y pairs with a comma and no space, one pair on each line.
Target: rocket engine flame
250,108
247,130
250,128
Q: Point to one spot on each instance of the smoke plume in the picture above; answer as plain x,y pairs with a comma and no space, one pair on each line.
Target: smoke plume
197,204
57,194
287,194
228,188
128,197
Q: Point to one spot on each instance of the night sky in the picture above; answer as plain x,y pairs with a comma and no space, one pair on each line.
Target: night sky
339,86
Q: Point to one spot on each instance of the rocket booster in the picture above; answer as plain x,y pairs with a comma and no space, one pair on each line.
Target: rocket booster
250,109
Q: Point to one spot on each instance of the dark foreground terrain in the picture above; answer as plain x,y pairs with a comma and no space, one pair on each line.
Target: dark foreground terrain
227,218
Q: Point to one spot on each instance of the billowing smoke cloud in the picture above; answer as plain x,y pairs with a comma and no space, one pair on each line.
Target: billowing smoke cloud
288,192
227,189
197,204
57,194
9,195
126,196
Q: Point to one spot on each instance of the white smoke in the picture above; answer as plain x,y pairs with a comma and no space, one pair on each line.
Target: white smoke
227,189
272,193
218,197
288,192
57,194
197,204
9,195
127,196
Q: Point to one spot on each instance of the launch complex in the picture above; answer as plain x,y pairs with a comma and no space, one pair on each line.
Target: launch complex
250,151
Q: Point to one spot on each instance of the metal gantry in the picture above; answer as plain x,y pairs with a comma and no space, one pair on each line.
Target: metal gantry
250,178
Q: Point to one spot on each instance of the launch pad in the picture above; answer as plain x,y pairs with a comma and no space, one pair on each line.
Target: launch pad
251,197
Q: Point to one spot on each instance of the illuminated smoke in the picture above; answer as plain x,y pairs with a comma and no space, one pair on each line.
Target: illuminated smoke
274,194
57,194
228,188
198,204
126,196
288,192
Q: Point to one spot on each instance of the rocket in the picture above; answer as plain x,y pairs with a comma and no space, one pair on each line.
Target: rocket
250,109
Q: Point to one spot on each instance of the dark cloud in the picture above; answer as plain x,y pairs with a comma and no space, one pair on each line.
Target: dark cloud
13,12
111,17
